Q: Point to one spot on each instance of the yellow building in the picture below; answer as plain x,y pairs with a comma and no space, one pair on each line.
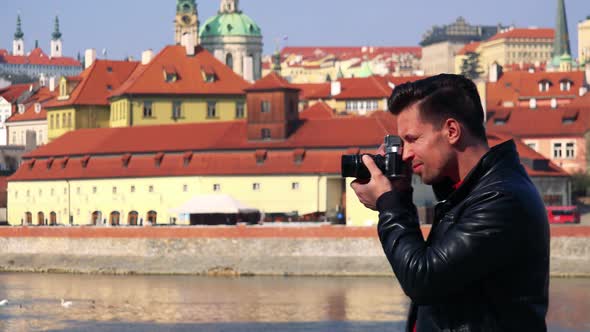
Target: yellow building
179,85
584,41
511,47
82,100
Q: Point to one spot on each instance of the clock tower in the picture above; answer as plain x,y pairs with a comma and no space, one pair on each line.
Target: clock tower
187,21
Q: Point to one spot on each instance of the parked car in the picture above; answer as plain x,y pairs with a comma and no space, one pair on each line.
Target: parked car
563,214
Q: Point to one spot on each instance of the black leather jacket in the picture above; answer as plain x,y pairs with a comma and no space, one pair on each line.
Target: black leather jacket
485,263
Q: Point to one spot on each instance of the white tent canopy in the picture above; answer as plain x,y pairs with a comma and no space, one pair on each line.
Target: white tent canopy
213,203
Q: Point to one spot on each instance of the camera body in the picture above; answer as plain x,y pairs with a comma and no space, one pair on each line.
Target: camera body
390,164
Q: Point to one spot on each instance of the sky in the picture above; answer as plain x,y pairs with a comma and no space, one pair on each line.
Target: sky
128,27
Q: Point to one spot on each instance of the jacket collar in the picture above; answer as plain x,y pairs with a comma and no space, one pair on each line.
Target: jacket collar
505,151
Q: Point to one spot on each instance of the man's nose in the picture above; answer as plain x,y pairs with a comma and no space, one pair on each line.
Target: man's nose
407,154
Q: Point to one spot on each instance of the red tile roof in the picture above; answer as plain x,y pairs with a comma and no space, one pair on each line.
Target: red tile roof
202,149
319,110
272,81
525,122
149,79
471,47
314,90
96,83
37,57
12,92
42,96
515,85
545,33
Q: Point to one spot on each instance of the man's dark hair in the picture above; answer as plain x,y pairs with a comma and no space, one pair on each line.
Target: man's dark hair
441,97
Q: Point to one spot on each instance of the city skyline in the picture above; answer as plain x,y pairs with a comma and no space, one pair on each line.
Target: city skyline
127,28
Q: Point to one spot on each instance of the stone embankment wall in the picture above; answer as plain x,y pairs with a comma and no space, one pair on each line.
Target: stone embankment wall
323,250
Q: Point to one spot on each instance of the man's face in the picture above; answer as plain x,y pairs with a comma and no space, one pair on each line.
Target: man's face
425,146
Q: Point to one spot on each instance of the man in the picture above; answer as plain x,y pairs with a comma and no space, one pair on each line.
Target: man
485,263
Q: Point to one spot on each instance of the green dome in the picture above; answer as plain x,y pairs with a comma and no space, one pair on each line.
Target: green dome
230,24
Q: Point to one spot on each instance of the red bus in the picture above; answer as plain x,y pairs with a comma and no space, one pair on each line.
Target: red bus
563,214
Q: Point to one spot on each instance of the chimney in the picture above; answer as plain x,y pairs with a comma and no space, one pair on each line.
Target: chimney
147,56
89,57
335,88
495,72
52,83
188,44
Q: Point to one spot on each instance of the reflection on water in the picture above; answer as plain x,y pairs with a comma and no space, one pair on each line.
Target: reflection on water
186,303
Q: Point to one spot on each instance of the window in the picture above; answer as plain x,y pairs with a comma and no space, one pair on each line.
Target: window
211,109
65,191
151,189
147,109
557,150
78,191
94,190
544,86
229,59
70,120
265,106
57,121
185,187
570,150
176,109
114,190
52,192
256,186
265,133
565,85
216,187
295,186
240,114
532,145
64,123
132,189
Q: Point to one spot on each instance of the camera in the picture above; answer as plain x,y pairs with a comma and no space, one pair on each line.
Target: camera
391,164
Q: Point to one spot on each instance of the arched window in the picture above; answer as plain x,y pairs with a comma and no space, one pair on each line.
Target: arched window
40,218
132,218
52,218
229,60
28,218
152,217
114,218
96,218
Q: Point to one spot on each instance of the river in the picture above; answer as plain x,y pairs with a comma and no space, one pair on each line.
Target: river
192,303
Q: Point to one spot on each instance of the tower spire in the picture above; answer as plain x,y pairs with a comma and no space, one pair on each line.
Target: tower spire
561,43
19,32
56,33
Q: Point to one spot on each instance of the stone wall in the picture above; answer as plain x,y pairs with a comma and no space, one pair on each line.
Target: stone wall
341,251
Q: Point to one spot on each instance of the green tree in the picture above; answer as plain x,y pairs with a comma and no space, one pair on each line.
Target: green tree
470,66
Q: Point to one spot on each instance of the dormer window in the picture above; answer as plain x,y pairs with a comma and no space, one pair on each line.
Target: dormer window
544,86
208,74
170,74
37,108
110,69
565,85
21,108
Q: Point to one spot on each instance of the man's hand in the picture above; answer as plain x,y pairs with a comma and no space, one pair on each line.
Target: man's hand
369,192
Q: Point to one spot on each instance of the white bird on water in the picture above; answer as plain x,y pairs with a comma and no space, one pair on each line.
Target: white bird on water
3,302
66,304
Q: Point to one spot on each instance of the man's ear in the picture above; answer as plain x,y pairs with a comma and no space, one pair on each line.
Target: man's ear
452,129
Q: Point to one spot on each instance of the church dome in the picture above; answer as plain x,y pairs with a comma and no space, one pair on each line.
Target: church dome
230,24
